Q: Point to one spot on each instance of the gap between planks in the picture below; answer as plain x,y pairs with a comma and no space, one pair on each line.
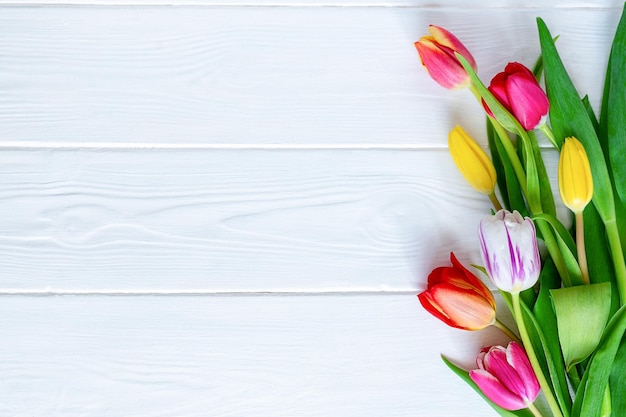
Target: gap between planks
8,145
407,4
202,293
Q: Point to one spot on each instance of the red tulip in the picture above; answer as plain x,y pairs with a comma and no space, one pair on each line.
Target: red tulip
506,377
436,52
458,298
517,89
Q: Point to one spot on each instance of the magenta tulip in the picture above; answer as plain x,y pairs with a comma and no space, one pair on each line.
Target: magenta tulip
436,52
517,89
506,377
508,244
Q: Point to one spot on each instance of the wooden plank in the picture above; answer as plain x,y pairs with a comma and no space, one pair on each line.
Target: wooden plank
231,220
262,75
475,4
232,356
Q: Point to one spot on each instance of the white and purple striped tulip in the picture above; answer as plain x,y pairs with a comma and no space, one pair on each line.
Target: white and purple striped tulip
508,244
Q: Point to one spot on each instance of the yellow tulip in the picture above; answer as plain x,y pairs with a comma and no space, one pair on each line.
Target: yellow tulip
575,182
472,161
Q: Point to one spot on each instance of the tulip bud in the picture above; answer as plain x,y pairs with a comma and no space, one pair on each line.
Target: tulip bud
472,161
506,376
509,250
575,182
436,52
458,298
517,89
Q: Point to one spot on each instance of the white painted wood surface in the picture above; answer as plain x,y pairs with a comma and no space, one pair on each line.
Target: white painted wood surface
226,209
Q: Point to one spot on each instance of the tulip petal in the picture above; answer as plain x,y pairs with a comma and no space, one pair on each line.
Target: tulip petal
498,89
516,67
495,391
439,65
447,39
575,182
465,309
429,304
527,100
509,249
475,283
472,161
496,364
516,356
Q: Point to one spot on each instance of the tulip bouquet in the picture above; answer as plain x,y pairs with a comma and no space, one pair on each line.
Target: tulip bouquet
570,314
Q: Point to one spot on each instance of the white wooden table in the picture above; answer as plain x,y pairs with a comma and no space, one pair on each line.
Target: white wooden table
226,209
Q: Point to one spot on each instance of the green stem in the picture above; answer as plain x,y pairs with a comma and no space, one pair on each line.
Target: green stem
534,410
574,377
553,249
498,324
545,230
494,200
505,140
618,258
580,246
547,132
543,382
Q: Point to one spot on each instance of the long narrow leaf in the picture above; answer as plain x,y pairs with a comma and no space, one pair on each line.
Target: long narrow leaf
551,364
546,320
567,247
464,375
508,183
590,393
569,118
601,268
616,101
593,118
510,123
545,188
617,382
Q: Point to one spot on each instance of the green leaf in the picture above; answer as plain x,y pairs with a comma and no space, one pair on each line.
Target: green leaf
545,188
551,363
568,117
592,117
546,320
590,393
617,382
508,184
498,164
567,248
538,68
581,313
510,123
616,102
464,375
601,267
502,115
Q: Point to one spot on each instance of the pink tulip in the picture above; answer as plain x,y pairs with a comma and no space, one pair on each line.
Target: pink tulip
458,298
436,52
517,89
506,377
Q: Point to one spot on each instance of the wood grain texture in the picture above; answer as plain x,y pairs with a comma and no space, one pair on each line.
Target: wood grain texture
474,4
193,149
183,220
231,357
262,75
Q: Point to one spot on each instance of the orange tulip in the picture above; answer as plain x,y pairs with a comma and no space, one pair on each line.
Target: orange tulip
458,298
